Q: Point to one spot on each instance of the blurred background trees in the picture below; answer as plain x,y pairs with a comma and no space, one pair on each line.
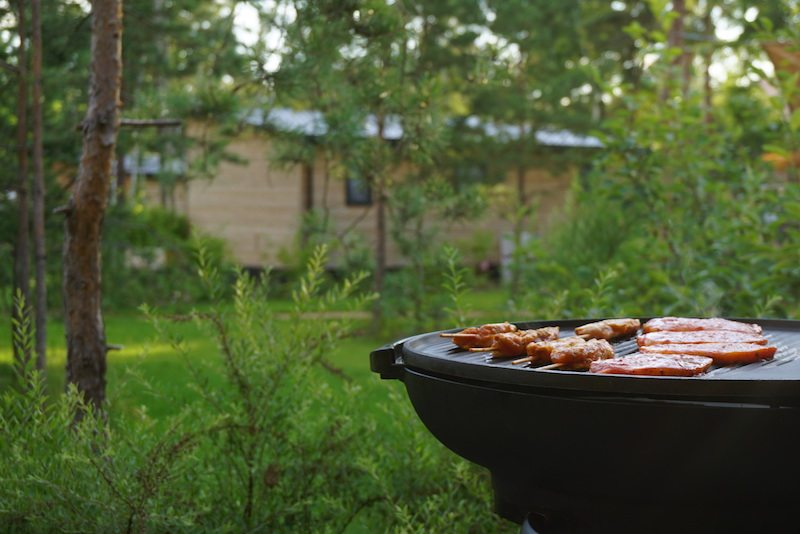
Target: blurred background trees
691,207
440,70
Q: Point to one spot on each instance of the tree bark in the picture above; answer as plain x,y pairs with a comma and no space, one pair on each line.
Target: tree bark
520,221
86,342
675,40
39,189
708,55
380,237
22,249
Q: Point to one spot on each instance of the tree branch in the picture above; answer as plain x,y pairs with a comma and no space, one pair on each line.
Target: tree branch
5,65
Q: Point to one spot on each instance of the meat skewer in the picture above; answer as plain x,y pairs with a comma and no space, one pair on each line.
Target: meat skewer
699,336
653,365
573,353
579,357
511,344
479,336
539,353
687,324
608,329
721,353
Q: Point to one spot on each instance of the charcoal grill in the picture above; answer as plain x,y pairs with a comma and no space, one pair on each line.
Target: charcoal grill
579,452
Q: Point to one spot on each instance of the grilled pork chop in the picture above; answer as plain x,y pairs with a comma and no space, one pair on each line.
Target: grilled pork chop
699,336
721,353
686,324
653,364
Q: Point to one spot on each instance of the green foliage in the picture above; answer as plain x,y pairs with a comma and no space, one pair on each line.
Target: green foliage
678,216
276,439
79,474
419,206
455,286
149,256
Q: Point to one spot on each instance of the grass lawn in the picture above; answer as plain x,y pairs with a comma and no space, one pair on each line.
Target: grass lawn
148,375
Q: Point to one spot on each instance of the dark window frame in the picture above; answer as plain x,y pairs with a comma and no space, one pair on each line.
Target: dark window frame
357,192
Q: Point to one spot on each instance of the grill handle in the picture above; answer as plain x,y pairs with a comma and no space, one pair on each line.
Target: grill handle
387,360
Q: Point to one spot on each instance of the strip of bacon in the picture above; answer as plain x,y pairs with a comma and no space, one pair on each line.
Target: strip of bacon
687,324
608,329
653,365
699,336
721,353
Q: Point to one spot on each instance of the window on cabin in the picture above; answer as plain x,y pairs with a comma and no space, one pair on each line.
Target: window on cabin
357,192
467,174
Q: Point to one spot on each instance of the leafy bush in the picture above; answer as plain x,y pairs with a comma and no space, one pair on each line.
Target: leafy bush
682,216
273,443
148,256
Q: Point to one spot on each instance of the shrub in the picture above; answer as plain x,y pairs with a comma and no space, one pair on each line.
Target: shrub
687,220
271,445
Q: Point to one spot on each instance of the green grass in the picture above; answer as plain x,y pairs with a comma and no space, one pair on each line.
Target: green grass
148,375
149,378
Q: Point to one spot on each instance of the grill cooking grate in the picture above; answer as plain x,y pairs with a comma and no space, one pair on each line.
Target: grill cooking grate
787,340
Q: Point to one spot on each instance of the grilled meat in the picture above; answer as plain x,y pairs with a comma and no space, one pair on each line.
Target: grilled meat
609,329
480,336
580,356
570,352
512,344
539,353
686,324
653,364
699,336
721,353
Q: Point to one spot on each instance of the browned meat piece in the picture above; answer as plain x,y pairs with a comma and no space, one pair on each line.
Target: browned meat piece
721,353
609,329
653,364
511,344
539,353
699,336
479,336
686,324
580,356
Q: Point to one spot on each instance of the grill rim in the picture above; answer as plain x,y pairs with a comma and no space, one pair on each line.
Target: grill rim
772,391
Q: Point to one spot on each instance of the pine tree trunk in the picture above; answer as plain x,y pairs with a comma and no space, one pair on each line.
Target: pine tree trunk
22,248
708,93
380,249
380,237
86,343
520,221
683,61
39,190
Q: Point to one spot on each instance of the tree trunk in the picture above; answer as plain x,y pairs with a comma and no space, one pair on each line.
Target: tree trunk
707,58
380,237
120,196
380,248
520,221
22,249
675,40
39,190
86,343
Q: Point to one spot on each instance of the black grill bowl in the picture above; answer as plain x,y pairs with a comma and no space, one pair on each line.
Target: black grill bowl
589,453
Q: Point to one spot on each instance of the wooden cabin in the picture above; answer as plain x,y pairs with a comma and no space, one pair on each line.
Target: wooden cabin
257,207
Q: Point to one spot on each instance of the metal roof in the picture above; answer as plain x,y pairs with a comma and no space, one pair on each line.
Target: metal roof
312,123
150,164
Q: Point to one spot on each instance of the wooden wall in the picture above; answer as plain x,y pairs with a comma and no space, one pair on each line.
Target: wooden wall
547,190
257,207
